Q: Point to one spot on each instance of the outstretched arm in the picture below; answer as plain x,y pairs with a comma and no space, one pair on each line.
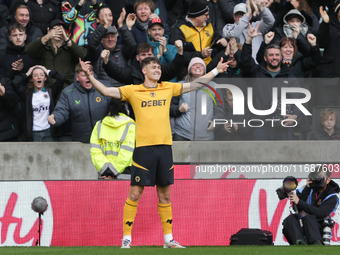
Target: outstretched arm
100,87
198,83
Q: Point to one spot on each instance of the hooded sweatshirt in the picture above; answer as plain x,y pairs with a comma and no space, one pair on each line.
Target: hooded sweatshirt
288,29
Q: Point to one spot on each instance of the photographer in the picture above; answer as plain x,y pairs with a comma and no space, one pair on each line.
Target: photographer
315,202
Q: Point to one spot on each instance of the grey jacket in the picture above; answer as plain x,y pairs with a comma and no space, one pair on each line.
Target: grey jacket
83,107
119,55
239,30
192,124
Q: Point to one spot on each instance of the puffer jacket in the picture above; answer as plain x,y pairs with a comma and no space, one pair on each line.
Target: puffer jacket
120,55
83,107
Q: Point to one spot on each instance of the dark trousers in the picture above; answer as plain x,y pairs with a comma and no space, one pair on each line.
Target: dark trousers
180,138
309,233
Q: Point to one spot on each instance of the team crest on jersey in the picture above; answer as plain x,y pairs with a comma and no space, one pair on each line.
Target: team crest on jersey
98,99
152,94
207,33
137,179
45,95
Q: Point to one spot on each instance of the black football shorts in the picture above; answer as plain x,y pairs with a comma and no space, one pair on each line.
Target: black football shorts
152,165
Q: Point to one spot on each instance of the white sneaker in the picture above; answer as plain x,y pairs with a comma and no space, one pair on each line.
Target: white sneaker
126,244
173,244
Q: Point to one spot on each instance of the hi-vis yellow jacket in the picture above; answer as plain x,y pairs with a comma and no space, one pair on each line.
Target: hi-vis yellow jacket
112,143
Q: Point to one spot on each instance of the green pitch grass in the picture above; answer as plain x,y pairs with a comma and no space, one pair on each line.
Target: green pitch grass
153,250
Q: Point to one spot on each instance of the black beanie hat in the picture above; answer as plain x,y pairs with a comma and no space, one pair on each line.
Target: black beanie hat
197,8
336,6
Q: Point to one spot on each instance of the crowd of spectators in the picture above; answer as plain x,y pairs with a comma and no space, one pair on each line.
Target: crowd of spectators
45,95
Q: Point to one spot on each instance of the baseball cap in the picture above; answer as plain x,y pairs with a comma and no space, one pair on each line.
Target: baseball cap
155,21
241,7
58,22
111,30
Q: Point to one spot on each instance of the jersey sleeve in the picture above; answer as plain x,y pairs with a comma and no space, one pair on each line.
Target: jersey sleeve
126,92
177,89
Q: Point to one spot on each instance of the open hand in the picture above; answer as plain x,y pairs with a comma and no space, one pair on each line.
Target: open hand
55,32
163,42
29,72
120,20
131,20
324,15
43,68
